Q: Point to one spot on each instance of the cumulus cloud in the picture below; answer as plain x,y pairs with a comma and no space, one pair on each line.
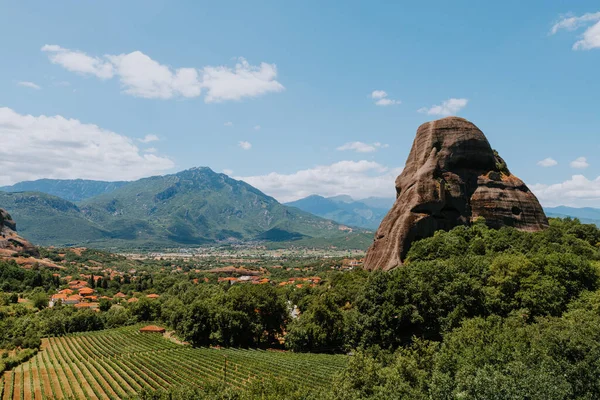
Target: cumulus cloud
149,138
30,85
245,145
575,192
228,172
590,39
361,147
358,179
381,98
580,163
77,61
141,76
61,148
547,162
244,80
448,107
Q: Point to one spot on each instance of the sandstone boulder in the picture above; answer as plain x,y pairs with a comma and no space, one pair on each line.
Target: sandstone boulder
452,177
10,241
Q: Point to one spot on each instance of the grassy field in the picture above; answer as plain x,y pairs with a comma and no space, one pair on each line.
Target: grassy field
115,364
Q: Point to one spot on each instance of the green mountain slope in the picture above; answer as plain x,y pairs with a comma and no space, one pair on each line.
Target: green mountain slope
68,189
198,206
192,207
342,209
49,220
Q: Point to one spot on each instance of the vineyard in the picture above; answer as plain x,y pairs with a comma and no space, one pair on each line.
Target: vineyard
115,364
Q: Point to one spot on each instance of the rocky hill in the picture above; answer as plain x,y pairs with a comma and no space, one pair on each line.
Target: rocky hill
452,177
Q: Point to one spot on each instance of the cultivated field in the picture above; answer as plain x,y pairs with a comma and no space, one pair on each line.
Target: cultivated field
118,363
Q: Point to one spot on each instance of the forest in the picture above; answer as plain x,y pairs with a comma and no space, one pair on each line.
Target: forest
474,313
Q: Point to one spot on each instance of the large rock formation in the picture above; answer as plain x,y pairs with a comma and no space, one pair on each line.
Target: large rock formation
10,241
452,177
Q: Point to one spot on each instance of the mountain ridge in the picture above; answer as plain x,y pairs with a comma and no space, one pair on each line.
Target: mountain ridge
344,209
192,207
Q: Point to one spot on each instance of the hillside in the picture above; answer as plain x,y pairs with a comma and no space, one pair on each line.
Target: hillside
345,210
49,220
189,208
68,189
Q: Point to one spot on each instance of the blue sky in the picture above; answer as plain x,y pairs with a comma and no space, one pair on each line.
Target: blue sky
272,91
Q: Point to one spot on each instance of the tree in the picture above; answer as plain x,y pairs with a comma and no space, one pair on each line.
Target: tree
319,328
105,305
40,300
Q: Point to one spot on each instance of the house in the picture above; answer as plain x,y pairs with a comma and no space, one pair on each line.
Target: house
133,300
86,291
73,299
66,291
152,329
91,306
153,296
56,298
120,295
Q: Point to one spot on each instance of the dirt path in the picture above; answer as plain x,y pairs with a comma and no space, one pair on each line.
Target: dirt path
35,375
27,394
43,375
18,383
8,385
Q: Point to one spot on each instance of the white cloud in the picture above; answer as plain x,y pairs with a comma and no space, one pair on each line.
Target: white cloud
245,145
547,162
224,83
228,123
382,100
149,138
575,192
387,102
151,150
448,107
580,163
29,85
358,179
361,147
141,76
590,39
77,61
257,127
228,172
378,94
61,148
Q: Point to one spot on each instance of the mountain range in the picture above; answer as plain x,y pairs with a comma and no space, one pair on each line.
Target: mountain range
189,208
366,213
586,215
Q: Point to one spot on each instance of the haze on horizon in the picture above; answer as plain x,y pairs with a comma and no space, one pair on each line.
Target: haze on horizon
297,99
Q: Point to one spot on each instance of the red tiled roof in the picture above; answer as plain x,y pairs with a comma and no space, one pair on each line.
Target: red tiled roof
152,329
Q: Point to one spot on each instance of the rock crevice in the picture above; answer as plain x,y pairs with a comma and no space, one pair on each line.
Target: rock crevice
452,177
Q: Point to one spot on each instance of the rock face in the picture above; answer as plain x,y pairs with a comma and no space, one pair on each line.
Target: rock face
9,239
452,177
